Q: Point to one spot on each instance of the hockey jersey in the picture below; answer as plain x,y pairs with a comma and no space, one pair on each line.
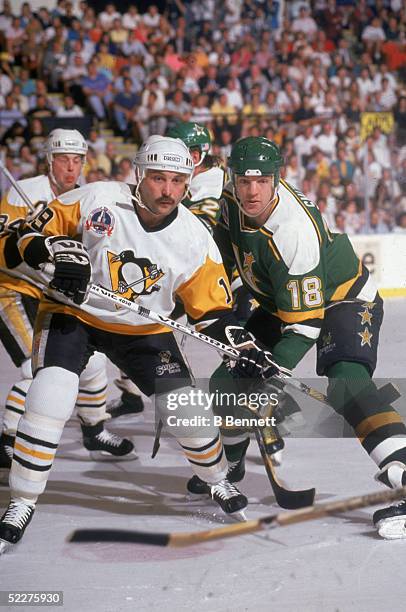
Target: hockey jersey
293,266
150,266
15,274
204,196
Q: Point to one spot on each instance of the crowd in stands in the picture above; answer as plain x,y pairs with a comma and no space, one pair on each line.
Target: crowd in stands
302,73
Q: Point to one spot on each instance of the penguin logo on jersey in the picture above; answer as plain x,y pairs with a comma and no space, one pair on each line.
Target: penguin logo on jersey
133,276
101,221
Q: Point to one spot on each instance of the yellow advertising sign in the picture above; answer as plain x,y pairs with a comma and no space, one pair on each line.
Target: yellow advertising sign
369,121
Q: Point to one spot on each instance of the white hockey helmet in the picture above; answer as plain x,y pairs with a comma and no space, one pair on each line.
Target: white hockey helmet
65,141
163,153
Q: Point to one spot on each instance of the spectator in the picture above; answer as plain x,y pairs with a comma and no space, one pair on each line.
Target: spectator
108,16
96,141
353,220
365,84
224,114
177,109
386,96
69,108
377,224
294,172
10,114
233,93
304,144
326,141
96,88
131,18
305,23
400,227
344,166
27,161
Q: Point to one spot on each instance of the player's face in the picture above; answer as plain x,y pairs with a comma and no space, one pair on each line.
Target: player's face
161,191
255,194
66,168
196,155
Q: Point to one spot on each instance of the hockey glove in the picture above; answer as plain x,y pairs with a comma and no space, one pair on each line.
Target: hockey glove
72,268
254,362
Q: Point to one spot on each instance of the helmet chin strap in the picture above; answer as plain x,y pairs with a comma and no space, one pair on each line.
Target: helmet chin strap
202,156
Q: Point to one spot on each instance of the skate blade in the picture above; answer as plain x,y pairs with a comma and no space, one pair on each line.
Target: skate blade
393,528
105,456
5,546
238,516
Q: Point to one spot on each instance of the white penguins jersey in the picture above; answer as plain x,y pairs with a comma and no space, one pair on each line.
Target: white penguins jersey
14,273
149,266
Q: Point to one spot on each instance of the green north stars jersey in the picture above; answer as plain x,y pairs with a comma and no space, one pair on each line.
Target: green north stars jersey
293,266
204,196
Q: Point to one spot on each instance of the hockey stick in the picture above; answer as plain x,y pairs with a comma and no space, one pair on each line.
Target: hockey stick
285,498
188,331
282,519
17,187
389,390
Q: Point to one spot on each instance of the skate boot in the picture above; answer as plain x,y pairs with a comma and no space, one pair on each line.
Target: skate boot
391,521
6,456
228,497
235,454
14,522
128,403
106,446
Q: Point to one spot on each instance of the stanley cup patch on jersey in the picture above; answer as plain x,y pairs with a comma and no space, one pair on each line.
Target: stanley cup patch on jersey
101,221
133,276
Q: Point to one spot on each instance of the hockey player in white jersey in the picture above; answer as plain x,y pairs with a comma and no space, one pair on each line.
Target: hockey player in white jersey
206,186
203,200
20,292
136,241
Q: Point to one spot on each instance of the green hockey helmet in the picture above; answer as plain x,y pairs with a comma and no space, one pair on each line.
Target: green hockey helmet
194,135
256,156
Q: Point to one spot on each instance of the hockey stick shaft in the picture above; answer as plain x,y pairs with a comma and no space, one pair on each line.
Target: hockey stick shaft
17,187
188,331
282,519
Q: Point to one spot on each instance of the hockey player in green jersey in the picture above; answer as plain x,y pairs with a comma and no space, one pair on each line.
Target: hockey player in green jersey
311,288
206,186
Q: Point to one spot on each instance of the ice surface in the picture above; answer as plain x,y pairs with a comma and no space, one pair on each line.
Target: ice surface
338,563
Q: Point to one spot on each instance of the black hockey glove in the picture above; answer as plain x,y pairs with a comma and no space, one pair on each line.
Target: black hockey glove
254,362
72,268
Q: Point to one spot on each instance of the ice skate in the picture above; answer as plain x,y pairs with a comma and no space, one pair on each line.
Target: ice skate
14,522
229,498
127,403
235,473
391,521
106,446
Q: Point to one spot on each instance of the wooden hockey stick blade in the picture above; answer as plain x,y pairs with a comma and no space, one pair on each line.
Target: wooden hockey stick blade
285,498
282,519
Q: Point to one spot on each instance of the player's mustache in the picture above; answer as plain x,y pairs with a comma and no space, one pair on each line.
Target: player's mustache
165,200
